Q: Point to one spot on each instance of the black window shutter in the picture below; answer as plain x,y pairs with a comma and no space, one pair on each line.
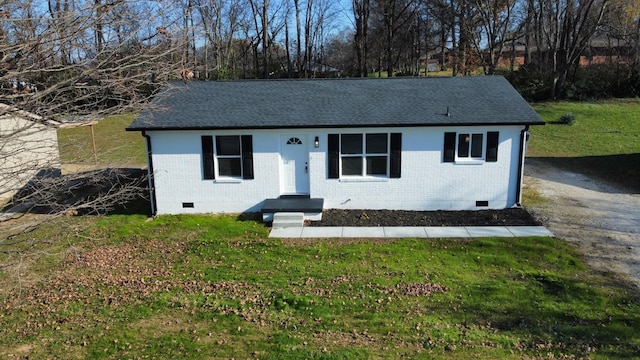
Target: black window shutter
207,157
333,146
396,155
246,143
449,154
492,146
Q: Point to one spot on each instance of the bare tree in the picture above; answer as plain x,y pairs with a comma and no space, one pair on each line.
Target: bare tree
560,33
221,21
299,62
496,23
70,60
622,26
260,11
361,11
396,16
340,52
310,36
63,71
443,14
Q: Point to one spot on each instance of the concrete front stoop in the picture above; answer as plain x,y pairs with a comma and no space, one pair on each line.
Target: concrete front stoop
287,220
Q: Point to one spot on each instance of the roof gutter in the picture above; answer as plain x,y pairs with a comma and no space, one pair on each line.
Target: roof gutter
152,192
334,126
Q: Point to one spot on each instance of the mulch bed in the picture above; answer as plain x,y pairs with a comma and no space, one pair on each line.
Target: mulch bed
506,217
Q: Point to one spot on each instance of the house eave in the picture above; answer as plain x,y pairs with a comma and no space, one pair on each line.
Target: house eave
443,124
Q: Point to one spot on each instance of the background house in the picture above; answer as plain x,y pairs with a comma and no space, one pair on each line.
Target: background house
28,147
598,51
405,143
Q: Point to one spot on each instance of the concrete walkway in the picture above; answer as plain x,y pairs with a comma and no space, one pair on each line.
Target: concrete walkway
409,232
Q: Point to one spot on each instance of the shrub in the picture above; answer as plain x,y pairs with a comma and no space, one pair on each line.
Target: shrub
567,119
531,84
594,82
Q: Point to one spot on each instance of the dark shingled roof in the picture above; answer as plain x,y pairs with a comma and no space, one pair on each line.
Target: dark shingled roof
328,103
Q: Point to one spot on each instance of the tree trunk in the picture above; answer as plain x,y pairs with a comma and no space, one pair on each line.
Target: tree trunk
286,46
98,27
361,16
455,49
308,41
265,38
389,19
296,3
443,47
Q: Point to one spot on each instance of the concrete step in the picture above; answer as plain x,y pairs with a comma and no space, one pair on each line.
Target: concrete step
287,219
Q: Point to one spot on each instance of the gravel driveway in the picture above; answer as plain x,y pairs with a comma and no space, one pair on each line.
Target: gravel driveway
602,220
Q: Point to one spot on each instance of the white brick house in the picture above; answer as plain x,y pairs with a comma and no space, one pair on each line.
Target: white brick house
405,144
28,145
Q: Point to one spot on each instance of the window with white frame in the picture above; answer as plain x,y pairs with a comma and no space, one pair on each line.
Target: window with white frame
471,146
232,156
229,156
364,154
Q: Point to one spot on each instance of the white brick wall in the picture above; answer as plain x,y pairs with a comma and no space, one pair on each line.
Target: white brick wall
177,164
426,182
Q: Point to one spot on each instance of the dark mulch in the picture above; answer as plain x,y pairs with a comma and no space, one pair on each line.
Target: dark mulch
506,217
101,191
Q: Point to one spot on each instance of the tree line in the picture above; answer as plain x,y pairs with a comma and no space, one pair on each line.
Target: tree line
88,56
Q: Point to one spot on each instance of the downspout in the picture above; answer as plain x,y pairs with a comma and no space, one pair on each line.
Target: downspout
152,192
524,137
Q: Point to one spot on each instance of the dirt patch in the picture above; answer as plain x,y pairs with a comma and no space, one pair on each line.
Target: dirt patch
507,217
602,220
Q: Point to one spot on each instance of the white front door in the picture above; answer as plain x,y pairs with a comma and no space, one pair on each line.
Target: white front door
295,164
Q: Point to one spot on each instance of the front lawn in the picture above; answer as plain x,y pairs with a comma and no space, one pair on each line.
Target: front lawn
198,287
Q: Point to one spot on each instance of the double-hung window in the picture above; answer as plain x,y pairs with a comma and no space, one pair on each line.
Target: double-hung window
364,155
231,157
471,146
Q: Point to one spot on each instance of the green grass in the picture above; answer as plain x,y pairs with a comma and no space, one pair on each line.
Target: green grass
604,141
198,287
114,145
